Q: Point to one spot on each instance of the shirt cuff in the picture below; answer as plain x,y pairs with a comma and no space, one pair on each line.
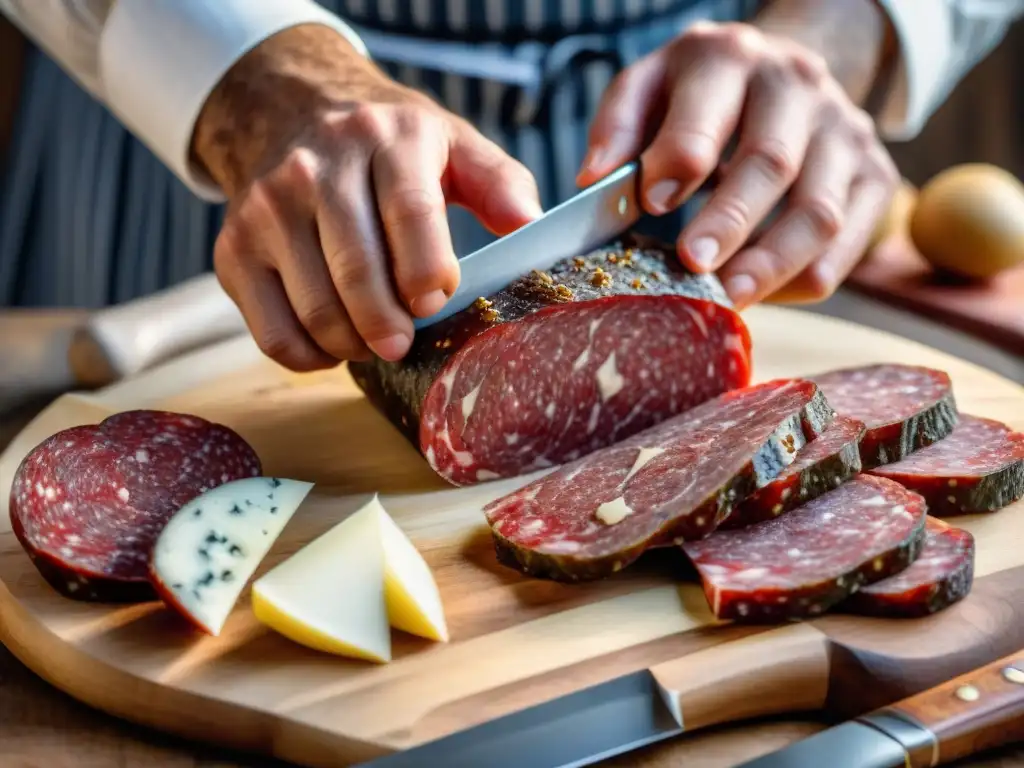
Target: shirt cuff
925,34
160,59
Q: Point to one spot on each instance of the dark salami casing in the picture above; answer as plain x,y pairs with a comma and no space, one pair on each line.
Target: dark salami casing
941,575
802,563
824,463
979,467
903,407
675,481
560,364
88,502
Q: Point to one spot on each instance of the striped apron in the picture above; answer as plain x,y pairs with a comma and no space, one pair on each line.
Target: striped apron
89,217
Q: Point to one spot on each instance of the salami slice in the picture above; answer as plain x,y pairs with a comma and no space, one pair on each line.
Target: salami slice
672,482
804,562
88,502
903,407
824,463
941,575
978,468
560,364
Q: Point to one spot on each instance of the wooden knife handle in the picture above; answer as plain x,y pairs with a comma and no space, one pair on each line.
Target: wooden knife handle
979,710
770,672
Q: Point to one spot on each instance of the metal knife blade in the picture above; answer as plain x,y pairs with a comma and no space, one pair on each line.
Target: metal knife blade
588,220
579,729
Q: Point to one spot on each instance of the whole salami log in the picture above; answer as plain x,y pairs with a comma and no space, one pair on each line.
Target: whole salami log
941,575
804,562
88,502
978,468
824,463
675,481
560,364
903,407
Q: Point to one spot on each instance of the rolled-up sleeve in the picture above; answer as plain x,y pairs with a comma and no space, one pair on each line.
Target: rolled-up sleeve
939,42
155,62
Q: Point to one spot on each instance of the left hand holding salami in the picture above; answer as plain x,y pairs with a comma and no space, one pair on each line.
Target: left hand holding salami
799,137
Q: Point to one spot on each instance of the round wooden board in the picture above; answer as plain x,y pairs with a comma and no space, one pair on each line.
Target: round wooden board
254,690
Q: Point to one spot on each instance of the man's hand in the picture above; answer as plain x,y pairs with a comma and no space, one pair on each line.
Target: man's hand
797,131
336,233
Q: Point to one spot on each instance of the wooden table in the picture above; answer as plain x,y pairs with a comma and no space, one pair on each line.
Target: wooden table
40,727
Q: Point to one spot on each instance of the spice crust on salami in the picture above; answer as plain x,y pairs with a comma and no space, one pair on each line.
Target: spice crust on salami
826,462
673,482
979,467
562,363
802,563
941,575
903,407
88,502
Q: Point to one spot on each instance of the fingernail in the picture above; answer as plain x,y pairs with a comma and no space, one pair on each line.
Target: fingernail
428,304
594,160
740,289
704,251
661,196
391,348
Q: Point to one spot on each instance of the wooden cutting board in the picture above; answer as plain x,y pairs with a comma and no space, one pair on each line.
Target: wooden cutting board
515,641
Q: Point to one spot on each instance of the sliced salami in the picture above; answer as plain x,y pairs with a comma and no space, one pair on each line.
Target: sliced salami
978,468
804,562
673,482
903,407
941,575
562,363
824,463
88,502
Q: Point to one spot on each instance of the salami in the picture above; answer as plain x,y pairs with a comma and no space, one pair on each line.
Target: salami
802,563
88,502
560,364
941,575
978,468
903,407
672,482
824,463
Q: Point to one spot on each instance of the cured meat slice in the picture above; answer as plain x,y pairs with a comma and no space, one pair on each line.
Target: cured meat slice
978,468
903,407
824,463
88,502
941,575
804,562
672,482
560,364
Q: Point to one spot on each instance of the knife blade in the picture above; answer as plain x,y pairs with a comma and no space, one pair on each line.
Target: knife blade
590,219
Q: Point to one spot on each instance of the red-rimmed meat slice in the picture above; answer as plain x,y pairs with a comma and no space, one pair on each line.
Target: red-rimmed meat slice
560,364
824,463
88,502
941,575
978,468
804,562
672,482
903,407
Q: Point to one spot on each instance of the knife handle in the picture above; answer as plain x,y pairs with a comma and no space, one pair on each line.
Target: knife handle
979,710
767,673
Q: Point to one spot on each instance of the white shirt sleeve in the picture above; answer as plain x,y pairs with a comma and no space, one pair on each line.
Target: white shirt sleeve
155,62
940,41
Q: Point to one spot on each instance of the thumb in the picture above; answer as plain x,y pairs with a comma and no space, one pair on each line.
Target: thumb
499,190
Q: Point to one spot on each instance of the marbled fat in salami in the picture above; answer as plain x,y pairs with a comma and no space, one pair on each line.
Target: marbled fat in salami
979,467
824,463
562,363
675,481
802,563
941,575
904,407
88,502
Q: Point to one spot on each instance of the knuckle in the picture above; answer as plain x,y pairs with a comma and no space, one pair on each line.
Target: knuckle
411,206
352,270
809,66
688,151
278,344
260,209
319,314
301,170
775,159
741,41
821,282
733,214
824,214
365,120
227,248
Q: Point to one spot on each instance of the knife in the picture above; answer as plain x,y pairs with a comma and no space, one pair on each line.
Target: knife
586,221
980,710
